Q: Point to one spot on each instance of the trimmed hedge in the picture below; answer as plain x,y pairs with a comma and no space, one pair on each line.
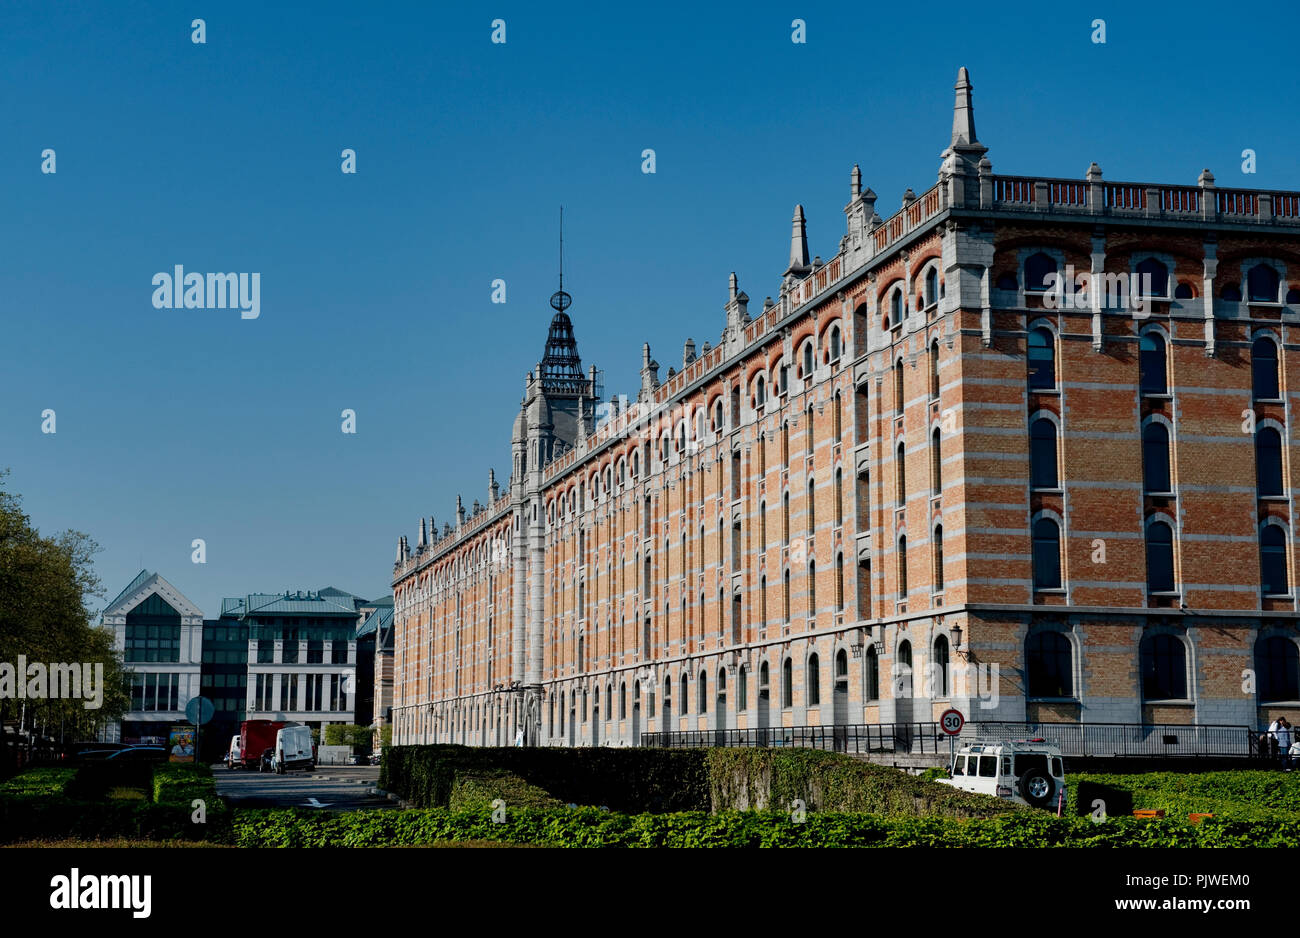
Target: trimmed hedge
1243,794
591,827
478,791
640,780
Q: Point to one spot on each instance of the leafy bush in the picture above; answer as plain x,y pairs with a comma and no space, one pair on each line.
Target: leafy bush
46,780
1240,794
478,791
591,827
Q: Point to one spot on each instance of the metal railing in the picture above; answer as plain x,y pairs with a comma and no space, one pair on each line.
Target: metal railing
1074,739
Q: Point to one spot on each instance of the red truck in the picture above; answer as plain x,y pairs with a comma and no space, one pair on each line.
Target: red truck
255,737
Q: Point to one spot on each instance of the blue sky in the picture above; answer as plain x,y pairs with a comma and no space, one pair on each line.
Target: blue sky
375,287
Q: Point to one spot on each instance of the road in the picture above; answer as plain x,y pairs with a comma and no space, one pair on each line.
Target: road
329,788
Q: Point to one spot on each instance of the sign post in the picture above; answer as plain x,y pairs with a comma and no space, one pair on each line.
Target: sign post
951,721
198,711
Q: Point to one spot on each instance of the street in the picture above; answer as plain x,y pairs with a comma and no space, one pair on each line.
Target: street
329,788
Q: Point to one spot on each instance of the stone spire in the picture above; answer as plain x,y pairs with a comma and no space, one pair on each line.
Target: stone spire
798,244
494,491
649,374
423,542
855,182
460,512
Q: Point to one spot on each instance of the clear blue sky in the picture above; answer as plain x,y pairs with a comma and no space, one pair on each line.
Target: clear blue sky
375,288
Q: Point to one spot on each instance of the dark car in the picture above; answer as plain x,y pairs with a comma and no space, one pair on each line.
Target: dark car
138,754
264,764
94,755
357,759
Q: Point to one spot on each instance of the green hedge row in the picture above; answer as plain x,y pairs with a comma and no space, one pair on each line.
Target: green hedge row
1240,793
591,827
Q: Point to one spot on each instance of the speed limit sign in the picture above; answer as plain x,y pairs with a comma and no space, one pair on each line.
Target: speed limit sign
951,722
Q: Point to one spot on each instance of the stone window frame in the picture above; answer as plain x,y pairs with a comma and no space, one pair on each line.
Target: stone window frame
1070,633
1062,553
1168,424
1054,419
1152,629
1287,560
1268,631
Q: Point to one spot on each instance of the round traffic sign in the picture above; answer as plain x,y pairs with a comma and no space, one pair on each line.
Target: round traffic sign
199,710
951,722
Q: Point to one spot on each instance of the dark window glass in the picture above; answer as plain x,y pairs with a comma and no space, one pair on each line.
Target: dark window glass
1042,455
1159,274
1042,359
1164,668
1047,554
1155,457
1183,291
1037,267
872,674
1160,558
1263,367
1277,662
931,287
1272,560
1268,461
1152,363
787,684
814,681
941,659
1049,661
1231,293
1261,283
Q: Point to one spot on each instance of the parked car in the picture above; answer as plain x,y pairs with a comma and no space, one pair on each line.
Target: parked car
358,759
1027,771
94,755
139,754
264,764
293,749
233,755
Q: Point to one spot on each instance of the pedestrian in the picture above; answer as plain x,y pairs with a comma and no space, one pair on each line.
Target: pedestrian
1273,729
1284,738
519,737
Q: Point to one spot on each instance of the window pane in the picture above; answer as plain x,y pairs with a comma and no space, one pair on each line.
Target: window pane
1155,457
1160,558
1047,554
1042,455
1042,359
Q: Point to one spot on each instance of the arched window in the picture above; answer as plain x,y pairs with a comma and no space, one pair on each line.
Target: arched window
940,666
812,589
1164,668
1262,283
896,307
936,462
785,583
1268,461
812,508
668,697
931,286
904,669
785,517
934,370
1160,558
1042,455
1152,362
1155,458
1183,291
1042,359
785,445
760,392
835,343
1049,664
898,386
702,694
787,683
685,697
1037,267
808,360
1272,561
938,558
622,701
1277,662
837,418
902,567
839,496
839,582
814,678
900,474
742,689
783,379
1263,368
872,674
1159,277
1047,554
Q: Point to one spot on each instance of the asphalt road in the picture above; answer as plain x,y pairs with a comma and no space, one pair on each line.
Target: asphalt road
327,788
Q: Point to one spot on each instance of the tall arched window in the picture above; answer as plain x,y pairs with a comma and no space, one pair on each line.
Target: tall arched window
812,589
702,694
1042,455
761,392
835,343
808,360
898,386
1164,667
904,675
1042,359
668,697
787,683
1268,461
1158,274
1152,364
685,697
785,518
900,475
814,678
1037,267
1160,557
896,307
931,286
940,666
785,445
1049,664
938,558
785,598
839,582
837,417
902,567
936,462
1263,368
1272,561
1047,554
812,508
1155,458
872,674
1277,662
1262,283
934,370
742,689
839,496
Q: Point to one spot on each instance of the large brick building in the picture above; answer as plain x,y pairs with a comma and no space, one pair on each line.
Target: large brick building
1037,426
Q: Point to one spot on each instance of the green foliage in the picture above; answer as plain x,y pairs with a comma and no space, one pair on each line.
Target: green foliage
348,734
38,782
934,773
591,827
1239,794
477,791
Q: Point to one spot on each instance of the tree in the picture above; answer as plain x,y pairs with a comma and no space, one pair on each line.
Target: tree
46,586
347,734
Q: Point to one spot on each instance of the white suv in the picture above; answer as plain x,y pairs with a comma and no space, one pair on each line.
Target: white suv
1025,771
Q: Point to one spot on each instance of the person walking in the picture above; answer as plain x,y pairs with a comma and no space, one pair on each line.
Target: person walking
1284,738
1273,729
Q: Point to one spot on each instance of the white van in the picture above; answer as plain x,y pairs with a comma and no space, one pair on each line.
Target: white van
293,749
234,755
1026,771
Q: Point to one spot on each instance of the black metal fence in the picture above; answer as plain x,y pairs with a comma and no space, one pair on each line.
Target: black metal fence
1074,739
